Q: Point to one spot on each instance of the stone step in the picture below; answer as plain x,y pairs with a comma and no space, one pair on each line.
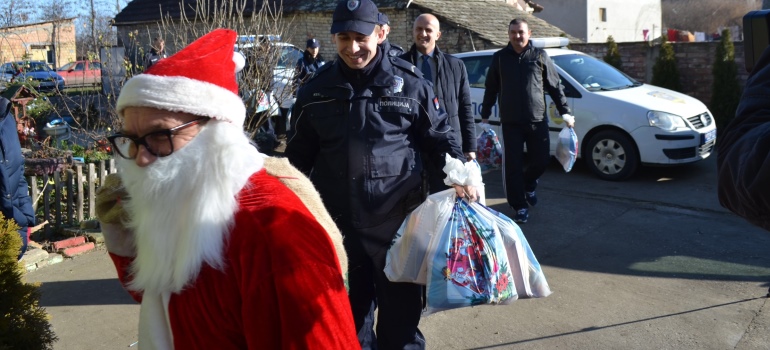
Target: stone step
34,255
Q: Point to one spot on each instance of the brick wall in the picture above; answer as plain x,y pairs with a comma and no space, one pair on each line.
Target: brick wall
694,61
36,40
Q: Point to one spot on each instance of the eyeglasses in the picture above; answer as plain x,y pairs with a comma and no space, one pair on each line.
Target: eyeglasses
158,143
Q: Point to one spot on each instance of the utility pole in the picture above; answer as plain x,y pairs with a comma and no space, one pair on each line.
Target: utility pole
93,29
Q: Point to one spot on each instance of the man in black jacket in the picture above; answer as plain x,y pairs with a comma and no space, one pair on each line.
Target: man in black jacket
15,202
518,76
361,124
450,84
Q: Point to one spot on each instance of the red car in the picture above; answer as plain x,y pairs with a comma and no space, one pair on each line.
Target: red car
81,73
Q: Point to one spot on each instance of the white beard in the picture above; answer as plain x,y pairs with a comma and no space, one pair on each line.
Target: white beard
182,206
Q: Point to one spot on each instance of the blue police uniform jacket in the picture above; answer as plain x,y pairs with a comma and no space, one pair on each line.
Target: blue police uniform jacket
361,147
14,193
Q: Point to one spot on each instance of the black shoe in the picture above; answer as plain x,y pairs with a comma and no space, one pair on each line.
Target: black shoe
522,215
531,198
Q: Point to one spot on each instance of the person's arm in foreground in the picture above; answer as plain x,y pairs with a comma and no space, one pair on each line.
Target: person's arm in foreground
743,151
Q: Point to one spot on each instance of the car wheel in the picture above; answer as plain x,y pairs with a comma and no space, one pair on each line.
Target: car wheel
611,155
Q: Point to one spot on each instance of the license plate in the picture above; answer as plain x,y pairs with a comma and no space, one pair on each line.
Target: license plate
709,136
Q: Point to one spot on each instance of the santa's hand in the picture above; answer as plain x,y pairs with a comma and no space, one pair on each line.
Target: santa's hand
112,217
467,192
568,119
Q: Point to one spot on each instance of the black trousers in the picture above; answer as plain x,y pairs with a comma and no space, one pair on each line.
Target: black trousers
519,174
399,305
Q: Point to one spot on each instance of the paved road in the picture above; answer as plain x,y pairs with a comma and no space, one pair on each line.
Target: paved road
650,263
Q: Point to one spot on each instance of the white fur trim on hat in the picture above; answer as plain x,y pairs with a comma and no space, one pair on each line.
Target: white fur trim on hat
239,60
180,94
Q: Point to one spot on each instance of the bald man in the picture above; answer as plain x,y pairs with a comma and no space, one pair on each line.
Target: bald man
450,84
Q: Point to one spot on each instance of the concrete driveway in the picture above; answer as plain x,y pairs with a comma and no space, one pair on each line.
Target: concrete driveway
650,263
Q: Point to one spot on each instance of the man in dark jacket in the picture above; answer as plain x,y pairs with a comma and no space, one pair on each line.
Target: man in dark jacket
450,84
15,203
310,62
517,79
743,151
391,50
361,124
157,52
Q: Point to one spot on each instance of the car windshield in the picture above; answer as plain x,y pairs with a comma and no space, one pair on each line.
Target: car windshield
67,66
594,74
289,57
34,67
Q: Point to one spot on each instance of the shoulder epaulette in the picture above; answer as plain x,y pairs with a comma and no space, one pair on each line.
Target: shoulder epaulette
406,66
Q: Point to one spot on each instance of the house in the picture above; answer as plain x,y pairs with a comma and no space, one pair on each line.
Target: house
465,24
52,42
592,21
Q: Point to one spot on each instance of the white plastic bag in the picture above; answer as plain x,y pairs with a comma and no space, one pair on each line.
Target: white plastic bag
567,148
406,260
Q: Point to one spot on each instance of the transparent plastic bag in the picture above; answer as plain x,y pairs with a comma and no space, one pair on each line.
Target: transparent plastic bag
470,266
567,148
489,152
527,274
406,260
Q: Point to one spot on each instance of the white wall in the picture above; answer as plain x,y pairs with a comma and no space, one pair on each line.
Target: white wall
625,18
569,15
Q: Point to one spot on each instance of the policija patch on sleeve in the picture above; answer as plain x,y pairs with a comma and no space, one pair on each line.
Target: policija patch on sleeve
435,102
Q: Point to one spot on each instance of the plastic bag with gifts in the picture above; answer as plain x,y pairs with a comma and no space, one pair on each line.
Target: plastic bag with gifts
489,152
567,148
406,260
527,274
470,266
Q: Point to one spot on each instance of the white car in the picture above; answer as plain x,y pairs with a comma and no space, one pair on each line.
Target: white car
620,122
281,98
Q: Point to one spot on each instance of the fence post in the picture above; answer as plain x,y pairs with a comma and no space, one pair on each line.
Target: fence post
79,185
57,197
91,190
46,205
112,166
34,191
70,194
102,171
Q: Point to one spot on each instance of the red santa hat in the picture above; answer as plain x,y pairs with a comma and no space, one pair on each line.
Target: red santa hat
199,79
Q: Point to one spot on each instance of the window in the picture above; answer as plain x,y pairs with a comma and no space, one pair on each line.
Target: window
603,14
477,70
95,66
80,66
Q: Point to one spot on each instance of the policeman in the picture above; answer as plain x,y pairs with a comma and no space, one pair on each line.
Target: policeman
361,124
392,50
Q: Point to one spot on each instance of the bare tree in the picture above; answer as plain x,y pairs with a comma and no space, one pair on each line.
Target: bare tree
15,12
261,57
56,10
706,15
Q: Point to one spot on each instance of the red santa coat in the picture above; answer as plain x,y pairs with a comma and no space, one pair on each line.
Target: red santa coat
281,287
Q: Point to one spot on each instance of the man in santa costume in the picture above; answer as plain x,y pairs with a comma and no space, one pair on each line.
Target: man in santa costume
224,247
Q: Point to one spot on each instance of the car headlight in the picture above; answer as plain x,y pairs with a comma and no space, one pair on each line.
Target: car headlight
665,121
